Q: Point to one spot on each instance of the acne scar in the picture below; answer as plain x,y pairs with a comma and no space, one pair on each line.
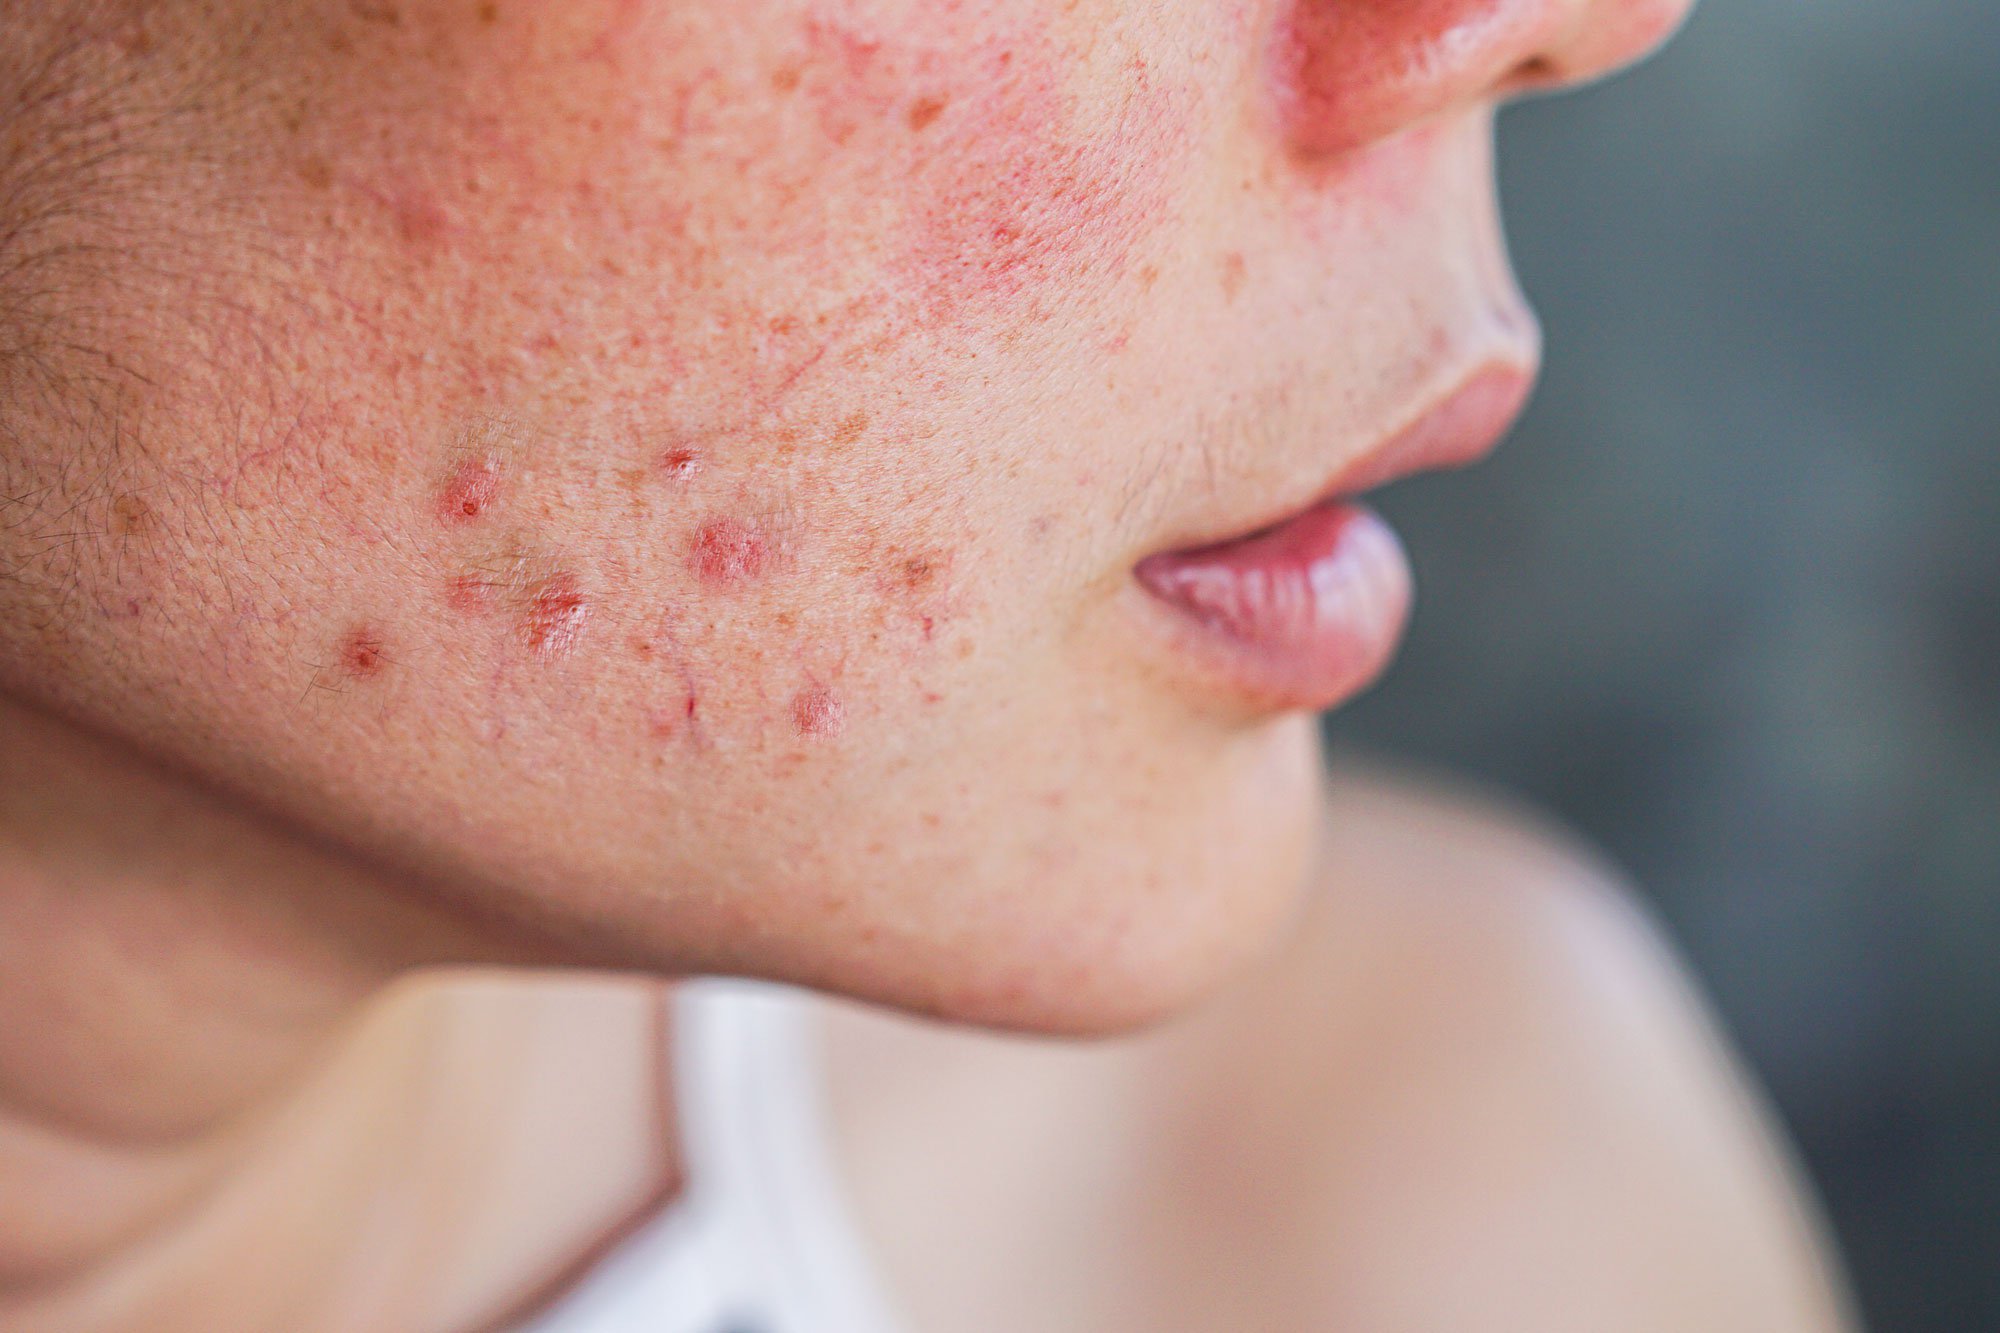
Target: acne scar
315,172
1233,273
470,594
360,653
729,550
818,713
472,488
131,515
555,615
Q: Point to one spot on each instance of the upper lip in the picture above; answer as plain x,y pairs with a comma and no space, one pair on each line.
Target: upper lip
1456,426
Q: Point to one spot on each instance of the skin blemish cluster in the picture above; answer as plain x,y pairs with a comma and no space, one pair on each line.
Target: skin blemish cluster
728,550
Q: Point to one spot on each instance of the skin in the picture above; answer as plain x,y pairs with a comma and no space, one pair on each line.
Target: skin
655,487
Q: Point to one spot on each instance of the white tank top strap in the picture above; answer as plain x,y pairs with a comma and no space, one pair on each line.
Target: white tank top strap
758,1241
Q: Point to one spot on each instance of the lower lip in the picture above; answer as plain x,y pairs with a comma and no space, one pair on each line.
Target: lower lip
1303,615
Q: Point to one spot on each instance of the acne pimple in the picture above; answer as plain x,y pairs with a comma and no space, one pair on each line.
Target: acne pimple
680,464
361,654
470,490
818,713
729,550
555,615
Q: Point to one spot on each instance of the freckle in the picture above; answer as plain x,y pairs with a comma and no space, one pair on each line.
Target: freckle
642,647
729,550
470,490
680,464
556,615
849,430
1233,271
818,712
786,79
1149,275
923,111
487,13
361,653
918,572
371,11
316,173
132,515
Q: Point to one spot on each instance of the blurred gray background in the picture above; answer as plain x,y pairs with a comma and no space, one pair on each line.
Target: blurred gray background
1729,600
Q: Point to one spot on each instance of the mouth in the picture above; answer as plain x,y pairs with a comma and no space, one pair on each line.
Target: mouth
1307,609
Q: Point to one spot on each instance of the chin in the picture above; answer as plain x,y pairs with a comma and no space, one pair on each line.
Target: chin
1163,916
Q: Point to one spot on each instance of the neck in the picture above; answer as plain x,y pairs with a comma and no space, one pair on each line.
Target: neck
231,1052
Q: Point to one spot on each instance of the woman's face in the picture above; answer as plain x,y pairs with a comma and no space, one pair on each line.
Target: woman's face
672,474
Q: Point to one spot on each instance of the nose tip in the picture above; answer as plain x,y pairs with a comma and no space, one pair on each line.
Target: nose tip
1349,72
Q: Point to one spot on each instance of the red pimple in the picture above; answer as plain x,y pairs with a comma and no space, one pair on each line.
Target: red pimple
472,488
556,615
817,712
729,550
361,654
680,464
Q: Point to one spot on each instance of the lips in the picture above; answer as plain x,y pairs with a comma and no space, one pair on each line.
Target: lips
1305,611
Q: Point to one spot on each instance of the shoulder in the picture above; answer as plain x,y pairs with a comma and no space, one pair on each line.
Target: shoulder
1493,1097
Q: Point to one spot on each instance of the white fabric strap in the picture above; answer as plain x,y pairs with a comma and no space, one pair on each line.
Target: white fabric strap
758,1241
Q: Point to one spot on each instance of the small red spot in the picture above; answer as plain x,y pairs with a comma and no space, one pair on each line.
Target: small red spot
818,712
729,550
472,488
680,464
556,615
361,653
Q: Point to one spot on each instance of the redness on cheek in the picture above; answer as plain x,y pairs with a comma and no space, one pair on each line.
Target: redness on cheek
555,615
1022,168
472,488
726,551
818,714
360,654
1021,196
